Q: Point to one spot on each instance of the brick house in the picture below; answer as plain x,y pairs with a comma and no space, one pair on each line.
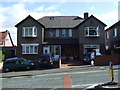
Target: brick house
67,36
112,36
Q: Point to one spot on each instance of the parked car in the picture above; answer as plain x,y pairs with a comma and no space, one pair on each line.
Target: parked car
88,57
46,61
17,64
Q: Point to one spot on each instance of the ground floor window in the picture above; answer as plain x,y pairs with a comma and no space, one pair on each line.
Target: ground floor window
30,48
91,48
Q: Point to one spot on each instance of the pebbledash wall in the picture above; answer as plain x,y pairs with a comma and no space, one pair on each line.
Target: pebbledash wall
105,59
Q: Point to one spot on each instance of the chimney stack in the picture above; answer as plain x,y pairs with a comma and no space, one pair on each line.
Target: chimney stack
86,15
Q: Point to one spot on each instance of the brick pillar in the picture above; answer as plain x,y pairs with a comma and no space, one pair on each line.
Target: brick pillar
80,51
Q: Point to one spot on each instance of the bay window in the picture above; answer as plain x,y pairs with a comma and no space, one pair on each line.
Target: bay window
30,48
29,31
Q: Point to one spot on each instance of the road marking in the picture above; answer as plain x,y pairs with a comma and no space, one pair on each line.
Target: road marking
102,75
82,85
67,81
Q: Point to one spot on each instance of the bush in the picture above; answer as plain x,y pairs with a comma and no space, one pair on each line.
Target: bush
6,54
116,50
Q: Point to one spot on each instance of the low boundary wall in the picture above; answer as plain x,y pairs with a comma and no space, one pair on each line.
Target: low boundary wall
105,59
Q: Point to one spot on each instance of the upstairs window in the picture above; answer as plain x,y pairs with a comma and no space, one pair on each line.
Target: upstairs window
50,33
92,31
30,48
57,33
107,35
70,33
115,32
63,33
29,31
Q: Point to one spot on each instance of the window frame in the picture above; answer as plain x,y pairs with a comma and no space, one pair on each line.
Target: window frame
50,32
115,32
90,28
70,33
57,33
107,35
28,46
63,32
27,33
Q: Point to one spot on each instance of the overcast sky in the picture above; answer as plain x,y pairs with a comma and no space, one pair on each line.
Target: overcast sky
13,11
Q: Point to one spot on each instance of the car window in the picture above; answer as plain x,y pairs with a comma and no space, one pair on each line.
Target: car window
23,59
11,62
18,62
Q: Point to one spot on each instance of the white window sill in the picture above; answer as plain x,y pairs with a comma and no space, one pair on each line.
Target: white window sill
30,36
30,53
92,36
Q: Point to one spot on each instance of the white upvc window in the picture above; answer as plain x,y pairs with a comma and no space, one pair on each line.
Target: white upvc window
107,35
57,33
115,32
29,31
30,48
92,31
70,32
63,33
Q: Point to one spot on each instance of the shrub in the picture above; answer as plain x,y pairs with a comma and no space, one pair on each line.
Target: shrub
116,50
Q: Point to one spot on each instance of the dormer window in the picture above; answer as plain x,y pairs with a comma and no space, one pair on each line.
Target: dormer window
51,18
91,31
29,31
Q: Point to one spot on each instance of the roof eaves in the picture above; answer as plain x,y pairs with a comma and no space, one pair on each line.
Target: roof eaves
93,17
113,25
26,18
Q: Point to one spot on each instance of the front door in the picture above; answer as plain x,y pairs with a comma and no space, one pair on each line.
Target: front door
55,50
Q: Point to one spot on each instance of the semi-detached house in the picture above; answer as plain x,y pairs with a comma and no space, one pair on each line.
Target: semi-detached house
67,36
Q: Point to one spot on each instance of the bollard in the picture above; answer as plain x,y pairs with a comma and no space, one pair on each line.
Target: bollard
59,60
111,71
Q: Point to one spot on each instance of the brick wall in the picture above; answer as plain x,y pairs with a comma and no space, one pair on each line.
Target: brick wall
105,59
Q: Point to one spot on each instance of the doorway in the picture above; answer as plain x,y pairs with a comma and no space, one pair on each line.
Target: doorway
54,50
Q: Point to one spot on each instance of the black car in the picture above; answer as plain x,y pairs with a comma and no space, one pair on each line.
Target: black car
46,61
86,58
17,63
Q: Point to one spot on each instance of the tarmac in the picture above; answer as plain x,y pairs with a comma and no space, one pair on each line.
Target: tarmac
103,86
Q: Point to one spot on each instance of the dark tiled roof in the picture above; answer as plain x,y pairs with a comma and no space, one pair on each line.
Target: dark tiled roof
114,25
93,17
28,18
60,21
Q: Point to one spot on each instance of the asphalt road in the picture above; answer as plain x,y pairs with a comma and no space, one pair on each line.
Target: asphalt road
81,77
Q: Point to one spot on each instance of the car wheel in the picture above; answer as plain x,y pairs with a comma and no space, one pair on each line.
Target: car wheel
7,69
28,68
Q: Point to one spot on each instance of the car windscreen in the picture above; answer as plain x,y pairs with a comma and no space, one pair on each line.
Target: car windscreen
23,59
